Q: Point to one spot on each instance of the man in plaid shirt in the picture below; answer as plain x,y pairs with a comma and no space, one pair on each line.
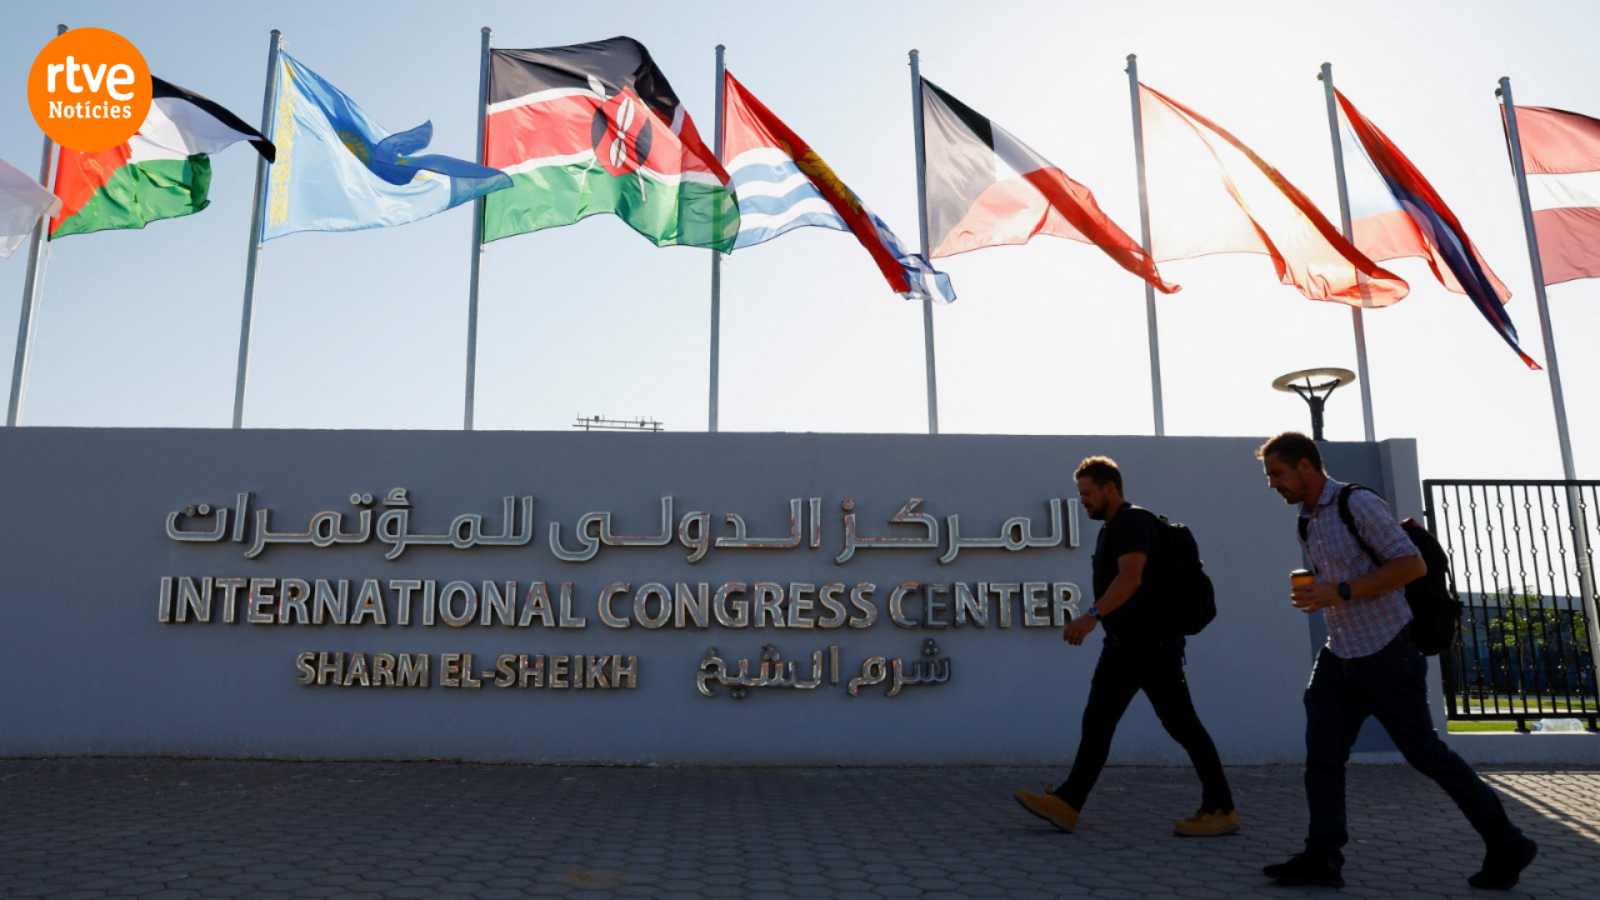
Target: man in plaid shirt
1369,668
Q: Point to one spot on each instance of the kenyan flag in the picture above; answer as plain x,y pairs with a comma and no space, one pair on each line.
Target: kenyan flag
595,128
162,172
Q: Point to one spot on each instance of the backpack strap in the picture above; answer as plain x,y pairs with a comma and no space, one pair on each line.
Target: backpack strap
1350,520
1161,535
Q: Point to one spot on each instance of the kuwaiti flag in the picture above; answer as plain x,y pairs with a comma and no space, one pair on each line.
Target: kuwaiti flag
595,128
162,172
1209,193
1395,212
783,184
985,188
338,170
22,202
1561,157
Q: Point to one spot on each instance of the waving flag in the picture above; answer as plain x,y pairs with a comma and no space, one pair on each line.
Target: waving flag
1209,193
595,128
1561,156
986,188
338,170
162,172
22,202
1395,212
783,184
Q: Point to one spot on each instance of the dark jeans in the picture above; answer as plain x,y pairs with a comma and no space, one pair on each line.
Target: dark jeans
1156,669
1392,686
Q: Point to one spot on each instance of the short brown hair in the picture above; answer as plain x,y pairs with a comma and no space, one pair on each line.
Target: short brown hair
1291,447
1102,470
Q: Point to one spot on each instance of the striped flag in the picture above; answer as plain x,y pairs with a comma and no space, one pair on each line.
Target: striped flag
986,188
592,129
162,172
782,184
1395,212
1209,193
1561,156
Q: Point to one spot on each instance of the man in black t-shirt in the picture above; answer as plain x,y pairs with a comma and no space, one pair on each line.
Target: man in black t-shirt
1143,652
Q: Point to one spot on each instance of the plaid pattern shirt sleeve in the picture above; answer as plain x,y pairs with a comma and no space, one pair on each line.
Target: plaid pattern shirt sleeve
1366,625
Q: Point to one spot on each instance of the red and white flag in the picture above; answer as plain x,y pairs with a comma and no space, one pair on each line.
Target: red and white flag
985,188
1209,193
1395,212
1561,156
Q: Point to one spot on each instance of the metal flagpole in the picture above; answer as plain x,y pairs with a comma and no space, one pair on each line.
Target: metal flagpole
477,239
1580,525
1144,236
1326,77
28,318
269,106
716,256
1504,93
922,231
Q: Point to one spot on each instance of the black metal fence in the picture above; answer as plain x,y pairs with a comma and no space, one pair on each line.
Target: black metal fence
1522,558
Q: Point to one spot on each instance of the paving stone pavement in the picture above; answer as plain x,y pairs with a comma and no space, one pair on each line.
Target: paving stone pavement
206,828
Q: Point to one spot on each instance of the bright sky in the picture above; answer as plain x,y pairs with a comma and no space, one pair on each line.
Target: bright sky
368,329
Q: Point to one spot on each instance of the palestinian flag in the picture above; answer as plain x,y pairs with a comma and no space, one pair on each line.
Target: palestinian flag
595,128
162,172
985,188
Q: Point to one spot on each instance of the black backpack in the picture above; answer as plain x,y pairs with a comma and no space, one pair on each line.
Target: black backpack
1435,605
1188,587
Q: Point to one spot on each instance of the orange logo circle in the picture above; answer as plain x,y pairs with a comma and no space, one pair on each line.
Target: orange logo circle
89,89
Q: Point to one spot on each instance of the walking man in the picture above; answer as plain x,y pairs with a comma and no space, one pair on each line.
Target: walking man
1368,667
1143,651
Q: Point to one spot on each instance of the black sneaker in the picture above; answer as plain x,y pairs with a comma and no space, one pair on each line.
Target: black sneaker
1503,864
1305,869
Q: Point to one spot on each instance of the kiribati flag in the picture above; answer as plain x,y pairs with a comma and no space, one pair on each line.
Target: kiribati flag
1395,212
783,184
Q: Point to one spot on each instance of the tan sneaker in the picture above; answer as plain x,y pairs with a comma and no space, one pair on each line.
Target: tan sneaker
1208,824
1050,808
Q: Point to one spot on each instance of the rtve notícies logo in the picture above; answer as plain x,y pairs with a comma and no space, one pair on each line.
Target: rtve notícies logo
89,89
121,75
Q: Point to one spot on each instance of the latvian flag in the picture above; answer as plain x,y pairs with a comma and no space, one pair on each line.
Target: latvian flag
595,128
1561,157
1395,212
986,188
162,172
783,184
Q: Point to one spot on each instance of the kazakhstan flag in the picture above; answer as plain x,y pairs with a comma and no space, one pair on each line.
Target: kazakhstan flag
337,170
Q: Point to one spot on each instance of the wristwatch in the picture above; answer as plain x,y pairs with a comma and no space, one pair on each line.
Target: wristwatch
1344,590
1092,611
